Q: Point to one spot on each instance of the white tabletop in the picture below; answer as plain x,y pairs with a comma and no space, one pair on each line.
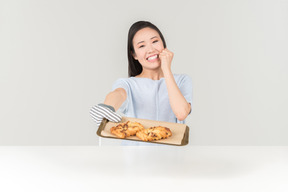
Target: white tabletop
163,168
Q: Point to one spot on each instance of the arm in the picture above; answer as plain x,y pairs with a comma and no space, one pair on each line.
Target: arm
116,98
179,105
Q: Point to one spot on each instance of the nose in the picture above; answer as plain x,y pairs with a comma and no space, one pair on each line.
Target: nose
150,48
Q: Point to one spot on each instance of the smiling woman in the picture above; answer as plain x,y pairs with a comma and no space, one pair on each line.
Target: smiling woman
152,91
136,41
147,48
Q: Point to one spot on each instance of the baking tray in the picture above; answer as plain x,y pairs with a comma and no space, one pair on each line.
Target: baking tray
180,132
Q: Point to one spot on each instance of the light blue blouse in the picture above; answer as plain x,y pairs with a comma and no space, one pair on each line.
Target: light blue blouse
148,99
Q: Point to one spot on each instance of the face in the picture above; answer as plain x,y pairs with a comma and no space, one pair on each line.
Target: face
148,44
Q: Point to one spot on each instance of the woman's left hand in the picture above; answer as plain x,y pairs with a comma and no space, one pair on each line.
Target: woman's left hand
166,57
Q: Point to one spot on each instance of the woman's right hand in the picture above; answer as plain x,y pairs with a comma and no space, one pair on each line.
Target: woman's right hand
100,111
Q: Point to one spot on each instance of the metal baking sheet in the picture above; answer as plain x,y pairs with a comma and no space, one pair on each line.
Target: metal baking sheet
180,132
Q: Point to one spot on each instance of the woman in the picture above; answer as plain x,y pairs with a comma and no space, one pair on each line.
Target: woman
152,91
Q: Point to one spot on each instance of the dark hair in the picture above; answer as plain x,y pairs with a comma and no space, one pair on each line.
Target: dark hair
134,67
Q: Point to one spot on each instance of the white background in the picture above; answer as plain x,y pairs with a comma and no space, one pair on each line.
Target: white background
58,58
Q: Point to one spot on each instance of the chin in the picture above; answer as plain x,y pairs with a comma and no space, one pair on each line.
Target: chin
152,65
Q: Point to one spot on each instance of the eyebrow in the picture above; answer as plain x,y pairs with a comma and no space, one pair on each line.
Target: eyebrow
143,41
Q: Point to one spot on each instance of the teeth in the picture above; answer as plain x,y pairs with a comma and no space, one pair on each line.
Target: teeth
151,58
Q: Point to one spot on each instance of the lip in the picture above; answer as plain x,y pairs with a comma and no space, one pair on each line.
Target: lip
152,56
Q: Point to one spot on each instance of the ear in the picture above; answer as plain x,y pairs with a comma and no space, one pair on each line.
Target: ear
134,55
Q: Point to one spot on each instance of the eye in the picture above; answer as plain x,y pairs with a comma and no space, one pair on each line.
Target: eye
141,46
155,41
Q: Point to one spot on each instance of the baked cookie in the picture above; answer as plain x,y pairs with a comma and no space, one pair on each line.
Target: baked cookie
127,129
154,133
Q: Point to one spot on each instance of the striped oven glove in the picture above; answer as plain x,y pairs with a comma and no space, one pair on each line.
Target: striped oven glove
100,111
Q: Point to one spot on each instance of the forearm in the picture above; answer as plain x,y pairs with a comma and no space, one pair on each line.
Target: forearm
115,98
179,105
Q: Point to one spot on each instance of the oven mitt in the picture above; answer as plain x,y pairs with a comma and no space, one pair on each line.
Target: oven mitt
100,111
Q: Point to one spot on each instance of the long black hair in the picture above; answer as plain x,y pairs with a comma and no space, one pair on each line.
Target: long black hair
134,67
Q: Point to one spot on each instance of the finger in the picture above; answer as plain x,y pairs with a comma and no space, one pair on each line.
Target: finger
165,50
169,52
163,53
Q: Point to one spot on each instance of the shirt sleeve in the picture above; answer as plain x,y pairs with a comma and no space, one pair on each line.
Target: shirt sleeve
121,83
185,86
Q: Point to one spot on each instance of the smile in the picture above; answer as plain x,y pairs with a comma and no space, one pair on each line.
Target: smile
152,57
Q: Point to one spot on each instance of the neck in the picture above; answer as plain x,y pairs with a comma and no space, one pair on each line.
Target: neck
151,74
